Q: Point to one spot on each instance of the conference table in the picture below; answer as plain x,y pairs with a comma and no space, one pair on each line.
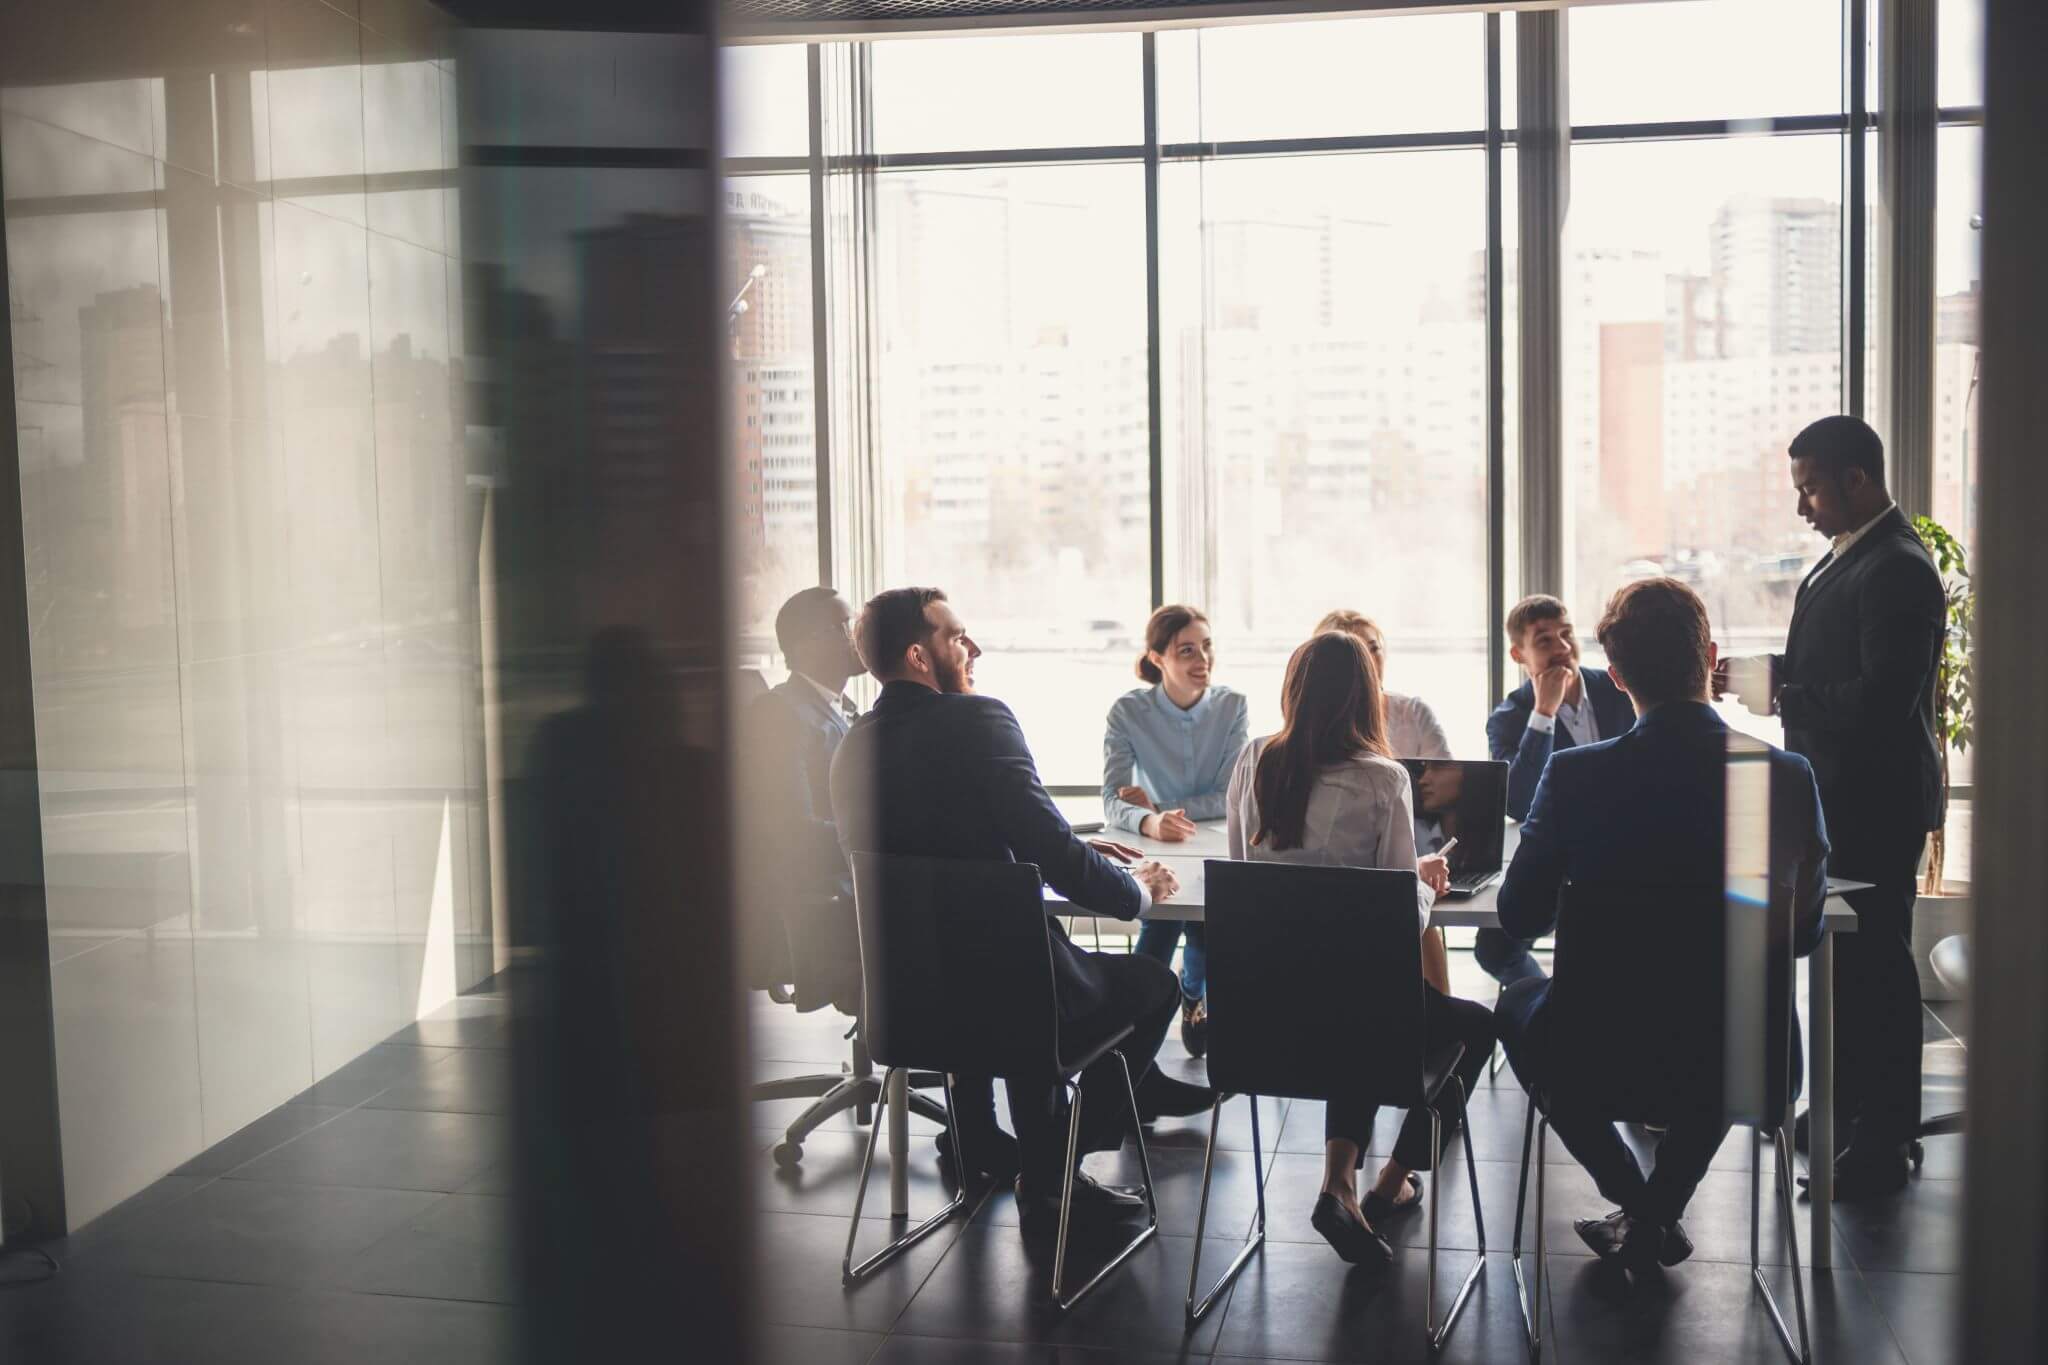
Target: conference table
1480,911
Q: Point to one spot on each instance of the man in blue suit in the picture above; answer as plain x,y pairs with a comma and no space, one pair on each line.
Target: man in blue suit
1558,706
1648,807
936,771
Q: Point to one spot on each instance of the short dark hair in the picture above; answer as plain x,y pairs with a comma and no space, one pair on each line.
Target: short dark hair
799,615
1841,443
1656,635
1537,606
890,624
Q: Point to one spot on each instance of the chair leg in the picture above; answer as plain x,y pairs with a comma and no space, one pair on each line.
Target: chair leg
1439,1332
1196,1311
849,1273
1529,1294
1059,1260
1787,1214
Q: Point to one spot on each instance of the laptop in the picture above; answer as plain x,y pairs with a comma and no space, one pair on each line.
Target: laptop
1468,801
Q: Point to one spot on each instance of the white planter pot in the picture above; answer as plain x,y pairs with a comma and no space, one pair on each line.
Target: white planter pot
1934,919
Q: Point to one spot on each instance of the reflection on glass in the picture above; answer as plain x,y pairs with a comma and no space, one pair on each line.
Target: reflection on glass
1701,332
1013,429
765,101
1325,352
1700,59
1958,295
766,280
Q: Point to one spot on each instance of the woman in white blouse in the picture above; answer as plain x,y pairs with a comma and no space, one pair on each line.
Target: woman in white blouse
1412,728
1324,791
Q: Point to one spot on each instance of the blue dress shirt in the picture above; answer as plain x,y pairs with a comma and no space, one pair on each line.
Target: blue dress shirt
1181,758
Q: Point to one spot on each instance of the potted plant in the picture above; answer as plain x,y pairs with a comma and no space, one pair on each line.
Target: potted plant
1943,906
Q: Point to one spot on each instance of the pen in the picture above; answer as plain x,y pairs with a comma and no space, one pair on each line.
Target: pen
1445,851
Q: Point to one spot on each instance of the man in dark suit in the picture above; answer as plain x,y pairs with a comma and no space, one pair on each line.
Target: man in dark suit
1559,705
936,771
1855,688
1648,807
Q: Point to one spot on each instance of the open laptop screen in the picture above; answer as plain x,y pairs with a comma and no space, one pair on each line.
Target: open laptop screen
1466,800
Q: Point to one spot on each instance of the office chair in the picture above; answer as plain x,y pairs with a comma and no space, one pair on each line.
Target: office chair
1951,962
954,992
809,957
1671,1059
1317,975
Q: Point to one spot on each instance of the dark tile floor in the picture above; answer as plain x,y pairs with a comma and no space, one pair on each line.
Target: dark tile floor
368,1219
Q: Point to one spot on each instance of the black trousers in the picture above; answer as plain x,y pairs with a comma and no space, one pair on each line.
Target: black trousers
1446,1019
1683,1154
1877,988
1144,994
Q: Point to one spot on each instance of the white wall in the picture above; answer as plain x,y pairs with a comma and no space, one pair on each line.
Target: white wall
235,307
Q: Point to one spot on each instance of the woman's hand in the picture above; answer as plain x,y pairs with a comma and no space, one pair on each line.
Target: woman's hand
1172,826
1136,796
1435,872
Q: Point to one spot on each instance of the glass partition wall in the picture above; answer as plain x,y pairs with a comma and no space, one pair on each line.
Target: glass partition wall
1212,325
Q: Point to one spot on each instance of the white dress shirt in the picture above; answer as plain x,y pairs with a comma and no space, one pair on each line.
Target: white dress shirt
1360,814
1841,543
836,702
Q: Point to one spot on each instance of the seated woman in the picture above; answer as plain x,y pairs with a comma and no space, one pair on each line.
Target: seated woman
1412,728
1165,758
1323,791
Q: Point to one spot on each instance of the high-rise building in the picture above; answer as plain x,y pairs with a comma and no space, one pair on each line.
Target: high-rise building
1777,275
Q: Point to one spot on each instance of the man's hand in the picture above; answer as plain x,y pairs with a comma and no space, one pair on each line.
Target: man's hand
1158,878
1171,826
1435,872
1109,848
1136,796
1720,679
1551,685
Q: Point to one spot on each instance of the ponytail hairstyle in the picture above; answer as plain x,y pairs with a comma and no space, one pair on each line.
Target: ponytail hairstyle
1332,710
1166,623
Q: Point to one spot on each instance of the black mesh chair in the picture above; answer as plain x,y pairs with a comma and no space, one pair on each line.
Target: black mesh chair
1651,1046
955,954
1315,979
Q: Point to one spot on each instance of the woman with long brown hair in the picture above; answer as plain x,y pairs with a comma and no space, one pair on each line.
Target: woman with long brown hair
1324,791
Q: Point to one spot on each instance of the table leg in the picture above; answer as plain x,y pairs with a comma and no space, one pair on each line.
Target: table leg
1820,1162
899,1144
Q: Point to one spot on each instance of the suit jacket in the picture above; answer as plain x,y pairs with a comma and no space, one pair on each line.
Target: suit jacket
1650,807
792,734
1857,684
1509,739
942,775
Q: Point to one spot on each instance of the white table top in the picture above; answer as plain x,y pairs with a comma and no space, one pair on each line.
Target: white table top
1475,911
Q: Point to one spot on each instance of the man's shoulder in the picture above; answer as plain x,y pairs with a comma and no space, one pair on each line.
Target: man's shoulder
1523,699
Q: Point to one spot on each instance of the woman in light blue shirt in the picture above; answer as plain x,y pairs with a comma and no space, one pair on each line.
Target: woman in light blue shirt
1166,761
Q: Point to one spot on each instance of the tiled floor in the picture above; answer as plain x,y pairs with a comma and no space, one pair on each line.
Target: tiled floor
383,1187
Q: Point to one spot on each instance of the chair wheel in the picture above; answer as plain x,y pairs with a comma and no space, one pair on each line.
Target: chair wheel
788,1154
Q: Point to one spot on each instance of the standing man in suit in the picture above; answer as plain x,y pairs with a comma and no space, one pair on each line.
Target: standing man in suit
936,771
1855,688
1648,807
1559,705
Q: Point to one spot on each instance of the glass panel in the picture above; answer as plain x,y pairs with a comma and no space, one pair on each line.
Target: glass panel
1013,444
1958,205
1732,59
1960,45
1326,79
977,94
1701,332
772,412
765,100
1325,357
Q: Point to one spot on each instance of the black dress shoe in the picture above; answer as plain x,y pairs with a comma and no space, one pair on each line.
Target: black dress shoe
1162,1097
990,1154
1038,1202
1377,1208
1352,1240
1631,1243
1802,1134
1677,1246
1194,1027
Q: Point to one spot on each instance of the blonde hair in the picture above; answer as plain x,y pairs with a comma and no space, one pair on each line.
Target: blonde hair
1355,624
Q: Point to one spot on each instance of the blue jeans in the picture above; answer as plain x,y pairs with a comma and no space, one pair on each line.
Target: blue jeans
1505,959
1157,939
